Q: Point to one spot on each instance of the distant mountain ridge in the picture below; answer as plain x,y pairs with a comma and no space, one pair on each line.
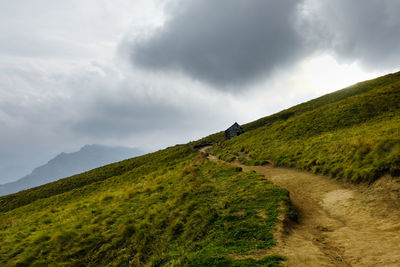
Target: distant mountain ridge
67,164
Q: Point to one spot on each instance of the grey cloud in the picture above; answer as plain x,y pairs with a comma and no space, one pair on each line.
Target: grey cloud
225,43
49,104
364,30
131,109
121,116
59,90
231,43
74,29
43,113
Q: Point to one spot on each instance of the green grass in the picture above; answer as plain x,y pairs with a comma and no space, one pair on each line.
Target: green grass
183,212
141,165
353,133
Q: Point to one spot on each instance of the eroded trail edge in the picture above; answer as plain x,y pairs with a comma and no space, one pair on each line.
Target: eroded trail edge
339,224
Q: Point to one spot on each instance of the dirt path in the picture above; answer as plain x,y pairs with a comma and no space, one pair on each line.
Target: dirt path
339,224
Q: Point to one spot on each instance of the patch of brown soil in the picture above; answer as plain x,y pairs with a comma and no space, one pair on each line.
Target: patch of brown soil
339,224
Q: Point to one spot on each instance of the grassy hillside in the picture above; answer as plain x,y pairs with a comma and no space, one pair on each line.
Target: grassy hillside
176,208
353,133
173,207
141,165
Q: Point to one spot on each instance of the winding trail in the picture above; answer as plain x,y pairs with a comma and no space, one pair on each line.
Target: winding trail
339,224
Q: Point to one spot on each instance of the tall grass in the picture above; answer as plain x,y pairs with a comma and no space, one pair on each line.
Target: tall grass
189,212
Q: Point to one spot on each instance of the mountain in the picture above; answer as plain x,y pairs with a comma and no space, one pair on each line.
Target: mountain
182,207
67,164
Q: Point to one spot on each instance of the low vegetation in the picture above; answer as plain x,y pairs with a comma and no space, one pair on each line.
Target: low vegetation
141,165
183,212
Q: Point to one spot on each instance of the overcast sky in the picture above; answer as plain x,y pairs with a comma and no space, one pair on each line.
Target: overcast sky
153,73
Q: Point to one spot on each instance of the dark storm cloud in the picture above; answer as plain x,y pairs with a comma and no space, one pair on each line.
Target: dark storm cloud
225,43
364,30
230,43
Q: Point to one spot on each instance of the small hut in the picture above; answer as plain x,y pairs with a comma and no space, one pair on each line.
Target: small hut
233,131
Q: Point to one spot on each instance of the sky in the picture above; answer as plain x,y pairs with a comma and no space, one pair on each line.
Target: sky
154,73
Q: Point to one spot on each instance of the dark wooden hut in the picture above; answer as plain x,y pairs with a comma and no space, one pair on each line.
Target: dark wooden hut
233,131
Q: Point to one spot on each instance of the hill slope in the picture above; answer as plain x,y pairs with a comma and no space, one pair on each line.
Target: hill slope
172,207
67,164
353,133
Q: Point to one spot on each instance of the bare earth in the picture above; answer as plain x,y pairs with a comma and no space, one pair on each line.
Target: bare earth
339,224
